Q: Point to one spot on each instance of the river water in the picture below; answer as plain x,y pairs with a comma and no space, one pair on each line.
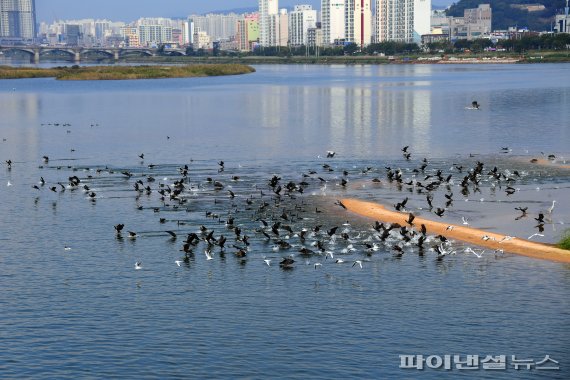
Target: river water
72,304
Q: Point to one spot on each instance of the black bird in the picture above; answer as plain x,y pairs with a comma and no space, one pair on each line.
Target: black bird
510,190
399,206
340,204
405,149
522,209
399,250
540,218
439,212
332,231
411,218
171,233
286,262
141,156
429,199
475,105
119,228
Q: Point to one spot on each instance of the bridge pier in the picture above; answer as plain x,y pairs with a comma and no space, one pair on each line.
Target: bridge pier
77,57
116,55
36,56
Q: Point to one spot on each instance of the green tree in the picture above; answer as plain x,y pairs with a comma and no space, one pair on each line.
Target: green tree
350,48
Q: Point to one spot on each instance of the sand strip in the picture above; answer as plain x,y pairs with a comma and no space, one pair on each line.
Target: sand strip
470,235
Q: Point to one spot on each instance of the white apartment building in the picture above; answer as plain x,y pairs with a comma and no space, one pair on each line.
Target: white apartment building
402,20
301,19
268,22
218,26
358,22
18,19
283,28
151,35
332,21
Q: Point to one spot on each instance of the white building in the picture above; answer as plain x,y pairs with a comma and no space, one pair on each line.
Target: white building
475,23
301,19
358,22
402,20
218,26
332,21
18,19
562,24
268,22
283,28
154,35
201,40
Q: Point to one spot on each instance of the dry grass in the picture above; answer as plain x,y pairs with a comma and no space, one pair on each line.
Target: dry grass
124,72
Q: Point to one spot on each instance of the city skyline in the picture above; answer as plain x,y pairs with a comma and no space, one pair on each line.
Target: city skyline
130,10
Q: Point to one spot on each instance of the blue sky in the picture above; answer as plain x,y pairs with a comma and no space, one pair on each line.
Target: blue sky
129,10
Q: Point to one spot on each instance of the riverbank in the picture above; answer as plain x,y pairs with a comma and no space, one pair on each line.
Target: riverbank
466,234
124,72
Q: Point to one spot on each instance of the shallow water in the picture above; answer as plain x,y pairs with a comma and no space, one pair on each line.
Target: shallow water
87,312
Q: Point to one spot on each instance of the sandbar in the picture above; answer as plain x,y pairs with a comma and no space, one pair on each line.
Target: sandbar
467,234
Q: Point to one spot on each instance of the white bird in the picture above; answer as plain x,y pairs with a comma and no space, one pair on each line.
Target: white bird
359,262
551,207
178,262
464,219
339,261
9,183
208,255
506,238
533,235
66,248
470,250
318,265
450,228
329,253
267,261
138,265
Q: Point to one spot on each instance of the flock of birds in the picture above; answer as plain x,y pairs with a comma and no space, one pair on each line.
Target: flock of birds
232,210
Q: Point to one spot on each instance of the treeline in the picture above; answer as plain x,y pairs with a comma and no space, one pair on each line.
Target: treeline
560,41
387,48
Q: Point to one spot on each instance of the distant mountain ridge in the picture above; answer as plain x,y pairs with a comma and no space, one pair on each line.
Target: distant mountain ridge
505,16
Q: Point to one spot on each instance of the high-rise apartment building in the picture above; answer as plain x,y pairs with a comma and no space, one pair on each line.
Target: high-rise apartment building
301,19
247,31
218,26
282,27
358,22
18,19
332,21
402,20
268,22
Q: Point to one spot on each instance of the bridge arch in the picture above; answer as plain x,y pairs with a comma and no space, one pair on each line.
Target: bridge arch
72,54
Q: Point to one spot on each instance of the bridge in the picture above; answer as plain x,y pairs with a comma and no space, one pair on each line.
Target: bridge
76,54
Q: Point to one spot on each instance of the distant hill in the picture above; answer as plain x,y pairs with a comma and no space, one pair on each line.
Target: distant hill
504,15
